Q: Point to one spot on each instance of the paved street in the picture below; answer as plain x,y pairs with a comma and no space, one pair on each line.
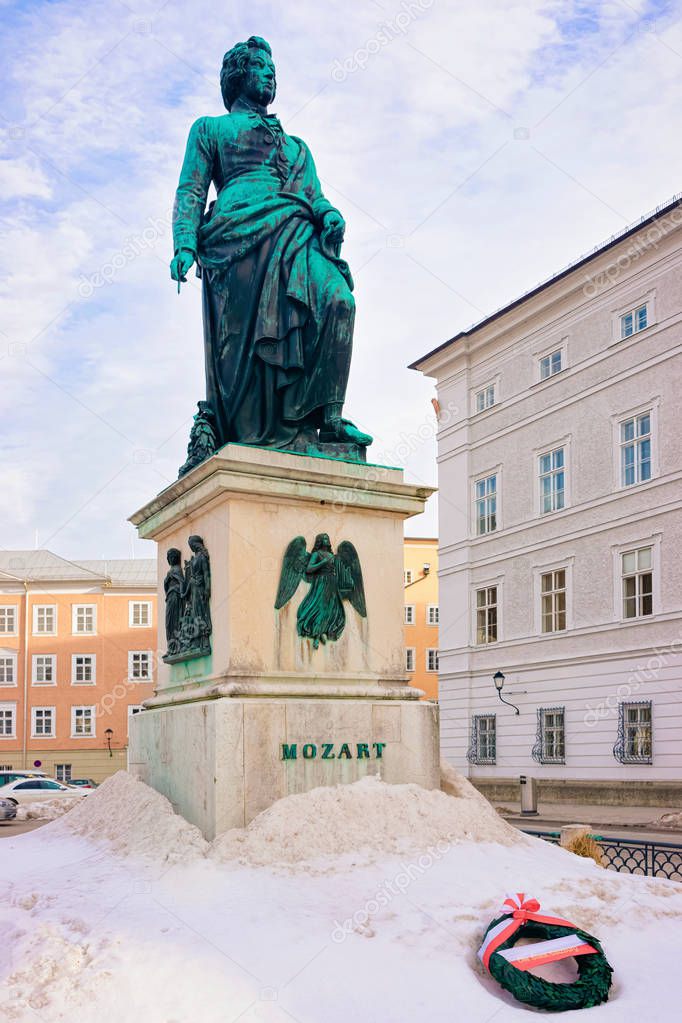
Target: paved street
13,828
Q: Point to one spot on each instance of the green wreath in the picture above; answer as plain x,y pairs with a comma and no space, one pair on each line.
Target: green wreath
594,970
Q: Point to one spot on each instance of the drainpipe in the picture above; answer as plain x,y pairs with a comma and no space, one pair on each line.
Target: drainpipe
25,722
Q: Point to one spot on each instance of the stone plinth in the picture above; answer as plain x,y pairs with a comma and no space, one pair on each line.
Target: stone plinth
211,737
221,762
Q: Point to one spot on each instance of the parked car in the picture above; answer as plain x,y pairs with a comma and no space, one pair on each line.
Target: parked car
29,790
8,810
11,775
84,783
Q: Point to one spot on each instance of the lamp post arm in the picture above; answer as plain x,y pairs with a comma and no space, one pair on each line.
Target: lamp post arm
509,704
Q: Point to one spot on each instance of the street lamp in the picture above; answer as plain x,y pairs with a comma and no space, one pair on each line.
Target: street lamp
498,679
109,732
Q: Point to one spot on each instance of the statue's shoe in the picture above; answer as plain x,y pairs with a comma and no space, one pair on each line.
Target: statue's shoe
345,432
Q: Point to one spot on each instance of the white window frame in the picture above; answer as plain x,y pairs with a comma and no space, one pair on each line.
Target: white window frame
487,585
546,449
638,573
407,577
546,352
649,300
653,541
47,632
35,734
132,604
476,723
410,654
150,661
74,680
14,609
635,443
12,707
9,655
427,653
93,714
484,391
432,614
410,614
63,770
552,474
481,478
75,608
565,565
34,669
617,421
546,729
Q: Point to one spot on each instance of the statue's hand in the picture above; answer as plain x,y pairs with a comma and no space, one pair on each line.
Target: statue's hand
333,228
180,264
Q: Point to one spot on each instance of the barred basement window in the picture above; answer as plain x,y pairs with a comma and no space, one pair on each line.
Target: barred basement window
483,739
634,744
550,738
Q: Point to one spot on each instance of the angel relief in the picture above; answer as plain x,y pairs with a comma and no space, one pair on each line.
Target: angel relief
332,578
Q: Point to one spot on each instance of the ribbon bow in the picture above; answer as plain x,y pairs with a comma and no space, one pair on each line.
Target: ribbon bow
518,910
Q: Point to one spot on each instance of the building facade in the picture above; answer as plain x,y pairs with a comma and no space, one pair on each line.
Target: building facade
422,614
77,657
560,483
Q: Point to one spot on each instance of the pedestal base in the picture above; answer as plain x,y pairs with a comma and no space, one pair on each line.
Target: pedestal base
222,762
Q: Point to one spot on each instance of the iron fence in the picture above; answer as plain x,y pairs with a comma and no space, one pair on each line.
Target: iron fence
632,856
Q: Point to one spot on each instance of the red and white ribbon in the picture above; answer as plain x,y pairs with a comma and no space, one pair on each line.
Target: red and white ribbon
519,910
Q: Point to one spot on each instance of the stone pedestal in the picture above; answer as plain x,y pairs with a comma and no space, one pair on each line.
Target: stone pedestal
266,714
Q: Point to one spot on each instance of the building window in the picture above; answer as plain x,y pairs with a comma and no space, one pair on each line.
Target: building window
485,398
553,600
407,575
83,669
483,740
486,504
549,745
42,722
139,614
139,665
62,772
633,321
409,614
44,670
82,722
410,658
8,671
638,581
8,619
634,744
44,620
84,619
8,713
486,615
432,659
552,476
635,450
551,364
432,614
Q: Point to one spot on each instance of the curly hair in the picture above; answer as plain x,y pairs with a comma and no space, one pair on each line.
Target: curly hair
234,67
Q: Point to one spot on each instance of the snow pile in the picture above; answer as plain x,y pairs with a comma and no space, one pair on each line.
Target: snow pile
47,809
369,818
670,820
135,820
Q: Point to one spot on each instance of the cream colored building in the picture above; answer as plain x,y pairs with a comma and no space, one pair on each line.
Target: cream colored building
77,658
560,481
421,614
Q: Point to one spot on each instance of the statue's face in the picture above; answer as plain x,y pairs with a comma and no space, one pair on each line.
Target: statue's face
259,81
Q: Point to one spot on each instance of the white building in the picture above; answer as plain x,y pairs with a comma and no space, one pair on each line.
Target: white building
560,469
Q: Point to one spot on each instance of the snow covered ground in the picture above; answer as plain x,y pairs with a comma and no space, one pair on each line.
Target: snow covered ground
120,910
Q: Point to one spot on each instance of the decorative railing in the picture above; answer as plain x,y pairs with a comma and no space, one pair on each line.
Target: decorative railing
632,856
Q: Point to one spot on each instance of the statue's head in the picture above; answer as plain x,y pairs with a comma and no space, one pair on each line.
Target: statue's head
248,70
196,544
173,556
322,542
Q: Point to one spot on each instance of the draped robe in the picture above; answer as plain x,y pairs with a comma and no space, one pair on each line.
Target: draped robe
278,310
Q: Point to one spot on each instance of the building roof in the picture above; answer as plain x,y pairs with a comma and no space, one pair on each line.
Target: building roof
44,566
645,221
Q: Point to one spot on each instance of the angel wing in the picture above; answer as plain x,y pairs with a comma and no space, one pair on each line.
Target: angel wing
294,565
351,586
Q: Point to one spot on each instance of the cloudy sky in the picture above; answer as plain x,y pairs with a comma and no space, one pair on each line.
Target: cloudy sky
474,147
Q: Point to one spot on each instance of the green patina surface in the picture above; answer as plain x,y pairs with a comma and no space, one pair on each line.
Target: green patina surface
333,751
